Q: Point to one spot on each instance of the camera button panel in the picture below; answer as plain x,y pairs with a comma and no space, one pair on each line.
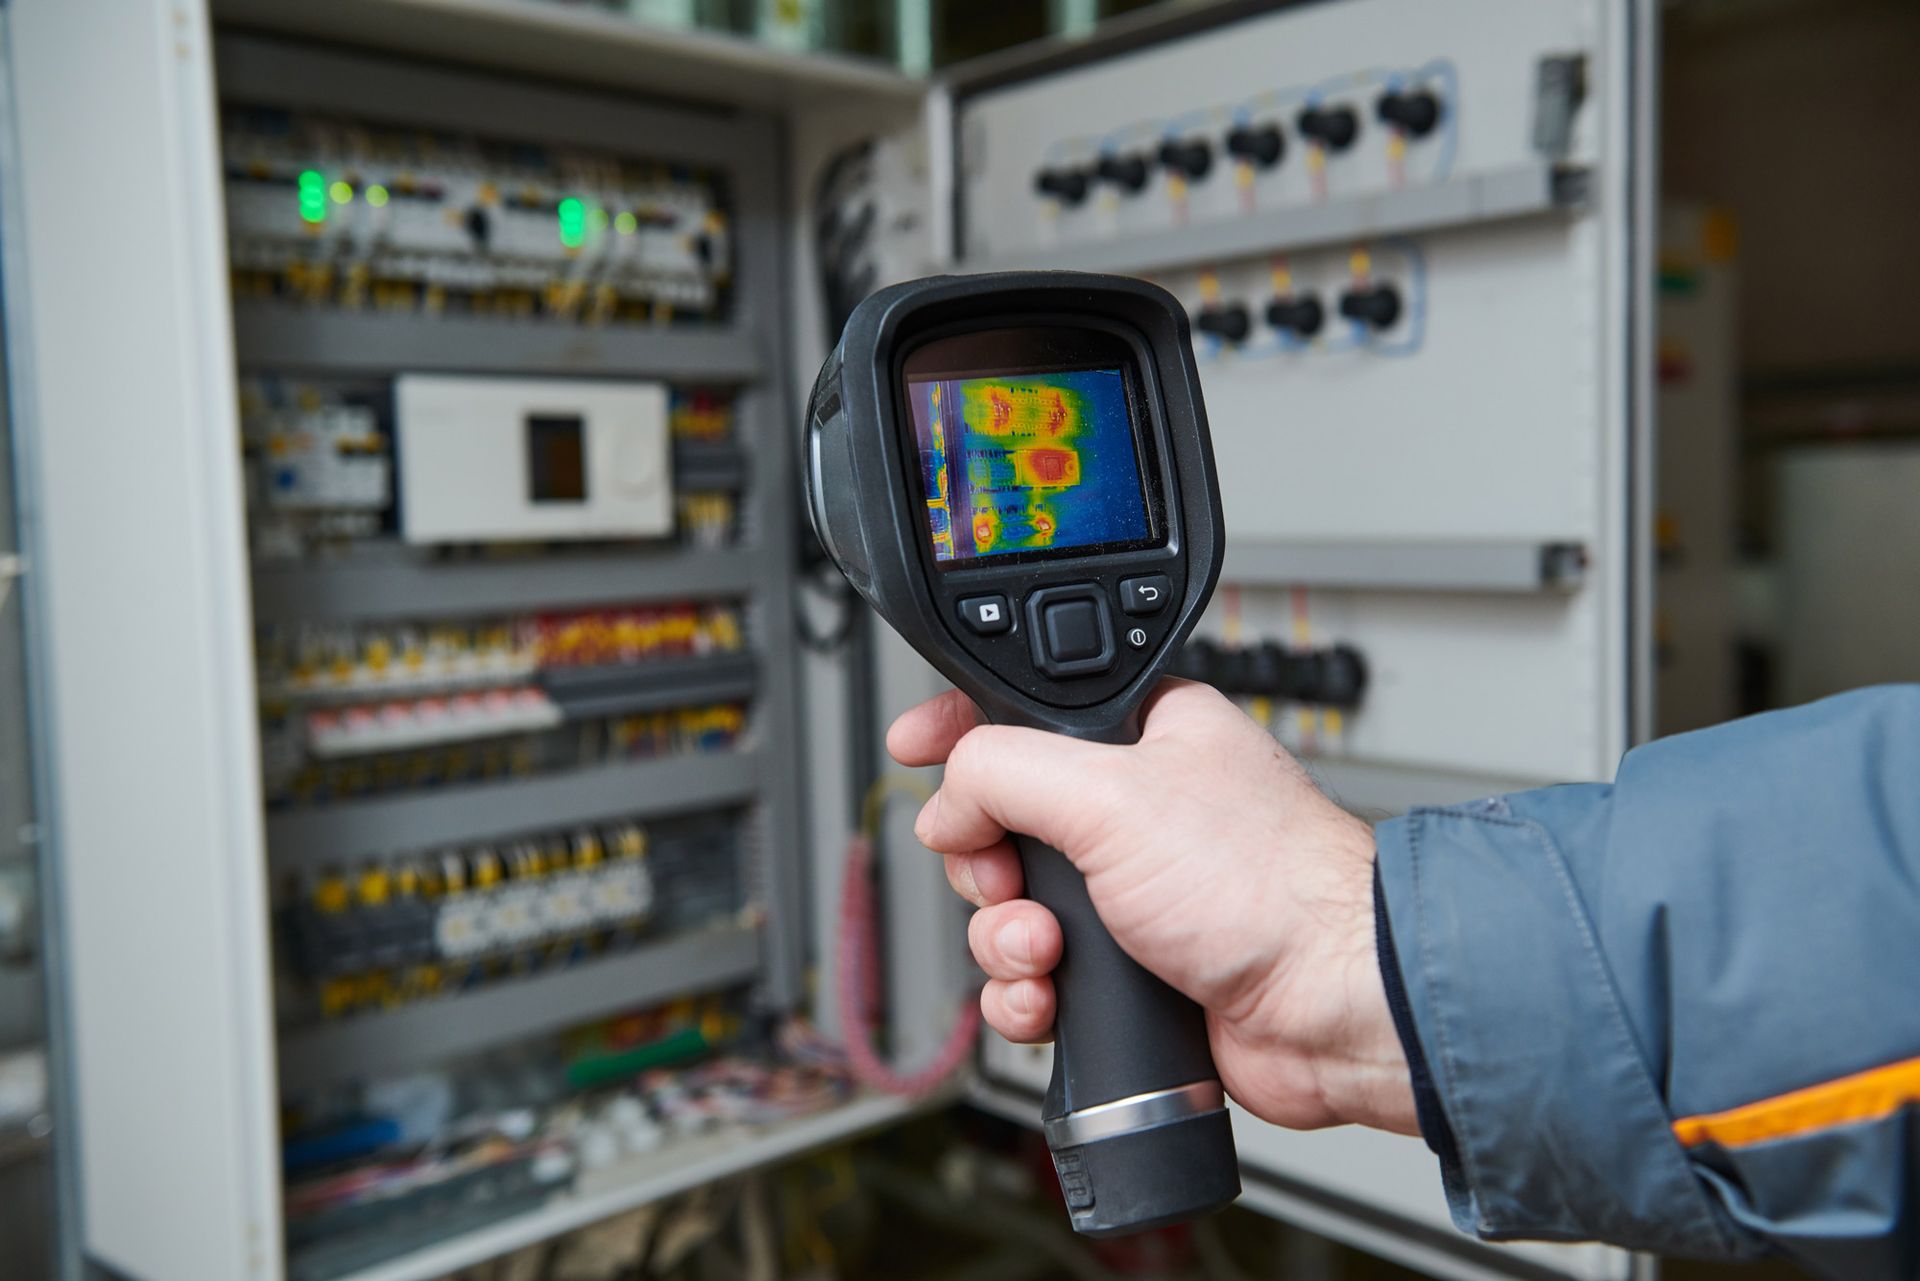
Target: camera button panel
1072,631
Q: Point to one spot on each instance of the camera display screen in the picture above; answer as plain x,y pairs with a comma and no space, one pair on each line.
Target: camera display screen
1029,463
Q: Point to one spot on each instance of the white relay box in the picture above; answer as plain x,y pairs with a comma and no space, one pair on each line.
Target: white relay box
507,459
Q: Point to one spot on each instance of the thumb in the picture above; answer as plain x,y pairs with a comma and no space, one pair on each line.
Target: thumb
1001,778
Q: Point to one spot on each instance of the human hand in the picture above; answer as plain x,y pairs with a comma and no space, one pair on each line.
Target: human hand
1217,865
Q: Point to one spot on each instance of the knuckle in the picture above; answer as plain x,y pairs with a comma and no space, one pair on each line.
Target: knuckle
967,757
957,708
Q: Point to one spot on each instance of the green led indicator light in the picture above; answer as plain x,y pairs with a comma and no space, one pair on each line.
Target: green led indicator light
342,192
625,223
573,223
376,195
313,196
596,219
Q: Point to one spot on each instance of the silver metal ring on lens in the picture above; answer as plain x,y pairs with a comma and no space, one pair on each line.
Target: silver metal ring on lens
1135,1112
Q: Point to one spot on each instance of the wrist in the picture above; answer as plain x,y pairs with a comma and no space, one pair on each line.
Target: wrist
1361,1070
1365,1077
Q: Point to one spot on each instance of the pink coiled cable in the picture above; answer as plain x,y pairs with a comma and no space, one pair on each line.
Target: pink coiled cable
857,987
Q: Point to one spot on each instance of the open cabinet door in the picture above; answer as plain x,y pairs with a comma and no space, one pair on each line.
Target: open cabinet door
1413,240
120,342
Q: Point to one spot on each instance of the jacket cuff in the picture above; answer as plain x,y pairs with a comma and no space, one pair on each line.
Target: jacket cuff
1426,1096
1560,1128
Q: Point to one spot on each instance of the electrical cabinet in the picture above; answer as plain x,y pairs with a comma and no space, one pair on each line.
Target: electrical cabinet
468,710
1411,240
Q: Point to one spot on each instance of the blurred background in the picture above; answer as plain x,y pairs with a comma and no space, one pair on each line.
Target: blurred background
436,845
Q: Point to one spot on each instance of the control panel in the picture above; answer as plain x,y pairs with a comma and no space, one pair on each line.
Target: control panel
1072,638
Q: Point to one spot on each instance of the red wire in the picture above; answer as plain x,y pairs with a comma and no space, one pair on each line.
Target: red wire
856,986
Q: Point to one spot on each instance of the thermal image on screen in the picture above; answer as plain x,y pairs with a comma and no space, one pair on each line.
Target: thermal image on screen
1028,463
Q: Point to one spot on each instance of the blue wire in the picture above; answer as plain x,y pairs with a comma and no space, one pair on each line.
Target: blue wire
1180,124
1449,76
1352,80
1354,341
1112,140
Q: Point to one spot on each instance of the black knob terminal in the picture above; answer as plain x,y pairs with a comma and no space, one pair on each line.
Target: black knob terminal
1259,145
1129,172
1334,677
1377,307
1190,159
1334,128
1301,315
1415,111
479,225
1068,186
1230,323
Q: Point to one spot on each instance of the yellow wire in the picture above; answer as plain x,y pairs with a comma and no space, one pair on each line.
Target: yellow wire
884,789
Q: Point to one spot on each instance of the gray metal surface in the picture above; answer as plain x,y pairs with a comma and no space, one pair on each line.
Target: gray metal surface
286,335
27,1185
1523,191
1376,792
21,1020
414,1036
280,73
400,583
581,44
1428,566
765,421
633,688
20,1014
26,1205
481,811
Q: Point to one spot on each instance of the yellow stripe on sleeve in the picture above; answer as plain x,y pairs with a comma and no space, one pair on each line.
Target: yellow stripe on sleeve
1865,1096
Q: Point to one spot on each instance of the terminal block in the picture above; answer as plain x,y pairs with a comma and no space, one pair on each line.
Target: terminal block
1333,676
1127,172
1230,323
1068,186
1190,158
1261,146
1300,315
1414,111
1334,128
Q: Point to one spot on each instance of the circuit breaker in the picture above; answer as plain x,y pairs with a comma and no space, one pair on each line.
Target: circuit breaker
465,723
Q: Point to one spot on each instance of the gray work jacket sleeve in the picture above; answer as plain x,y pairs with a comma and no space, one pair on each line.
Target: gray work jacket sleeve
1681,1013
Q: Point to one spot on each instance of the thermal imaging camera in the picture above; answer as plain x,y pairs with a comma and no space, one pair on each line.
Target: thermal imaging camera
1014,470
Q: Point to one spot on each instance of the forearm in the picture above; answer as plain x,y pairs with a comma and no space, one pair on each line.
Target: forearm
1596,973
